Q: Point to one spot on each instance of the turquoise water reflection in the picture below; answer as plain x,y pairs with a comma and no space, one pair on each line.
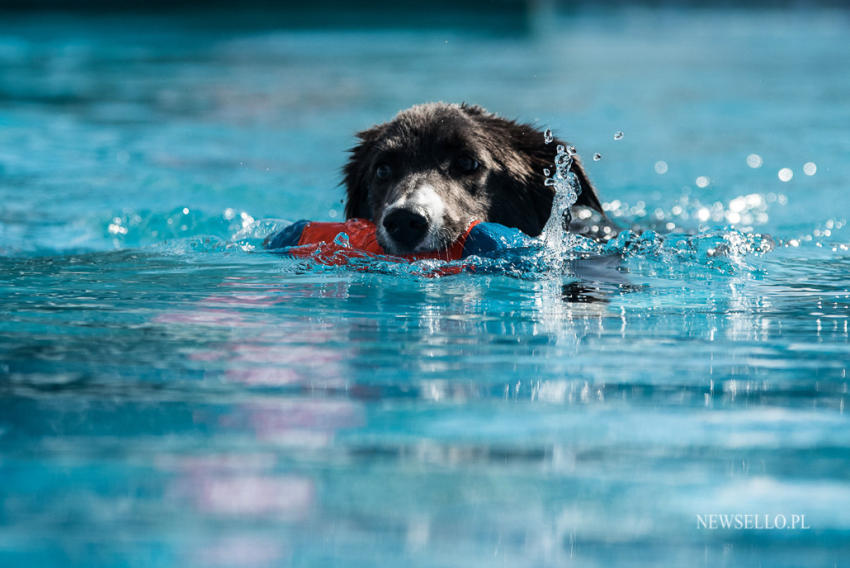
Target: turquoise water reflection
170,395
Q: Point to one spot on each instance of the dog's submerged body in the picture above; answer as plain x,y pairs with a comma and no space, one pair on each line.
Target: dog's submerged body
423,177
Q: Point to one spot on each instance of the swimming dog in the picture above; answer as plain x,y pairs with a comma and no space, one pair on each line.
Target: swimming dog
425,175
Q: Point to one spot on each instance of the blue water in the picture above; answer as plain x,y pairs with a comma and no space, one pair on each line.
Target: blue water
171,395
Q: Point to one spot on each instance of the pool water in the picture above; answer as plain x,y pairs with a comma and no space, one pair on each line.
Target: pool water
171,394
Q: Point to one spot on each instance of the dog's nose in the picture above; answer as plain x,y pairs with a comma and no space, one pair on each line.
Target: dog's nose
405,227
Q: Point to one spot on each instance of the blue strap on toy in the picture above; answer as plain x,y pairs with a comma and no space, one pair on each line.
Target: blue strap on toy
492,239
287,237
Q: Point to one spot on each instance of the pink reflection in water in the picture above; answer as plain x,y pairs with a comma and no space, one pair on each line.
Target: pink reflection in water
274,353
217,463
304,423
286,497
241,550
222,318
325,415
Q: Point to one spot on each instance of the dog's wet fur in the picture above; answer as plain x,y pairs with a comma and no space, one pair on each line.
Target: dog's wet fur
424,176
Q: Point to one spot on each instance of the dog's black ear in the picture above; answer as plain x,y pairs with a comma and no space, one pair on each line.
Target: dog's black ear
531,189
542,158
521,198
588,195
356,174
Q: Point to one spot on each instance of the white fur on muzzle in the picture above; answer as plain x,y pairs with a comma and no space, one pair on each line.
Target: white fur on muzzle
425,201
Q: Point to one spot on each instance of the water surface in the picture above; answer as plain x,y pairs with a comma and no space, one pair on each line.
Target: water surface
170,394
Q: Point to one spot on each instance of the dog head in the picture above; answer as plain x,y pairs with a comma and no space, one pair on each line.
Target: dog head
423,177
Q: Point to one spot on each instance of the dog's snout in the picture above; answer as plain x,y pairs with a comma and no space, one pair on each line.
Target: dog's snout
405,227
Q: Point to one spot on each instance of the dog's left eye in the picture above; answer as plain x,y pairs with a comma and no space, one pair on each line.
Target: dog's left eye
383,171
466,164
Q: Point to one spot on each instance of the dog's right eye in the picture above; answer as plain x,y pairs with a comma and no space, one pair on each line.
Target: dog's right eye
466,164
383,171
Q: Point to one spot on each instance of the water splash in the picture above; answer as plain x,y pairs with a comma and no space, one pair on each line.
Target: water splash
556,238
722,250
143,228
658,237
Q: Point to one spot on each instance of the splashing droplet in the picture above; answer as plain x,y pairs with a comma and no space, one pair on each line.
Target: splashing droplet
547,136
342,240
597,156
546,172
661,167
555,235
618,135
785,174
754,161
810,168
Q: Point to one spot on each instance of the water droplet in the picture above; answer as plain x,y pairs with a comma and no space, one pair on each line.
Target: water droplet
560,148
571,150
618,135
547,136
810,168
702,181
785,174
597,156
754,161
342,240
185,210
546,172
332,213
661,167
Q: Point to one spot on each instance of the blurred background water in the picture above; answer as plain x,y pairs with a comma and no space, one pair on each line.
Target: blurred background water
169,394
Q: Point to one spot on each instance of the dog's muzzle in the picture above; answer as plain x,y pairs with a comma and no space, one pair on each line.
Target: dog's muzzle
405,227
